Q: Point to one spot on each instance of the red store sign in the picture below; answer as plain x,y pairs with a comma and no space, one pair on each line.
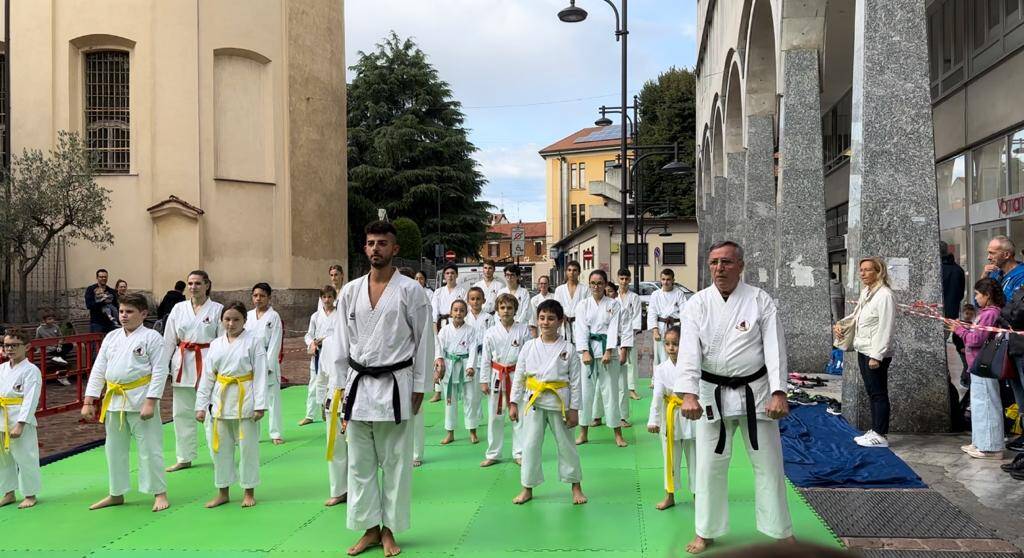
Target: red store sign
1011,206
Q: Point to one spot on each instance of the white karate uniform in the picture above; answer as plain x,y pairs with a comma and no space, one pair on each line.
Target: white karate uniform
441,306
185,326
524,313
241,357
491,293
534,303
19,467
270,331
457,384
684,435
419,425
125,358
548,362
601,318
663,305
569,302
321,326
632,314
735,338
501,348
390,333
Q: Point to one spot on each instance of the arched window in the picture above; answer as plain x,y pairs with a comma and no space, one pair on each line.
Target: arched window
107,114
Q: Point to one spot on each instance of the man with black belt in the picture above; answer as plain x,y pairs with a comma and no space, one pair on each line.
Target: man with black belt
381,356
663,312
731,369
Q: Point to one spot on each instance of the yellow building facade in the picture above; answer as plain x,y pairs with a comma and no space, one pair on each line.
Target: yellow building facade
220,127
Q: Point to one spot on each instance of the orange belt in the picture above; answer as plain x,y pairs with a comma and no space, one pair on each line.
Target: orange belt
504,382
196,348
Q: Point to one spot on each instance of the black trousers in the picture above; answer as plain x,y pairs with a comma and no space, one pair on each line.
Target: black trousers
876,382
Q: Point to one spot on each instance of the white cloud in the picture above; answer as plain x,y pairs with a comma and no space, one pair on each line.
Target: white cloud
519,162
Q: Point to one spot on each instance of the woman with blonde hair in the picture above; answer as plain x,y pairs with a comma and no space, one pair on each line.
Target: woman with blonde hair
872,324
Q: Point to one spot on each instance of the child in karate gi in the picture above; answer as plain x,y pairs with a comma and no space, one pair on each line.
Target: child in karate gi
548,372
132,366
502,345
20,385
454,370
234,388
265,324
667,419
321,326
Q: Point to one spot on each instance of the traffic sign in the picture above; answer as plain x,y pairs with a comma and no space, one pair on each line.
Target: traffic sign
588,255
449,256
518,241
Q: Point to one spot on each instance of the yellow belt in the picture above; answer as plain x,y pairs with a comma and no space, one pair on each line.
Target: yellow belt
4,403
332,428
224,382
672,402
122,389
538,387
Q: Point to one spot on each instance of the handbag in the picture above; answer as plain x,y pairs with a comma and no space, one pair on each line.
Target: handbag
848,326
992,361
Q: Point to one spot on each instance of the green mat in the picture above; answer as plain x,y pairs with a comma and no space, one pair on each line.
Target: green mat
459,509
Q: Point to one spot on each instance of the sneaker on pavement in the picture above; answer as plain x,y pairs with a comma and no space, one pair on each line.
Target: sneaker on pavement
59,360
873,440
978,454
968,448
863,436
63,381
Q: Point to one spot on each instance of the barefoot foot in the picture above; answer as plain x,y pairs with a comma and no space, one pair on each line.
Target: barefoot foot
28,502
488,462
699,544
634,395
336,500
387,539
578,497
305,421
518,460
434,399
525,496
473,438
581,439
249,498
417,463
222,497
8,499
107,502
668,502
625,424
277,441
369,539
179,466
160,502
448,439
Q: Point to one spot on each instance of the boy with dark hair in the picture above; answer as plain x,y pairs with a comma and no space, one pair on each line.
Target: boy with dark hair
20,386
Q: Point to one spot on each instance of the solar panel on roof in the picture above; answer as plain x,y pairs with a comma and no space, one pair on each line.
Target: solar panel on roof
604,134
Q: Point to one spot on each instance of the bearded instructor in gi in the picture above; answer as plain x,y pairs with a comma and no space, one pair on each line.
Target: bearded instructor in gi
731,374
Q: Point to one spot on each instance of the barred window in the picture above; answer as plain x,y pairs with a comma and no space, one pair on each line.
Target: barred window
3,107
106,111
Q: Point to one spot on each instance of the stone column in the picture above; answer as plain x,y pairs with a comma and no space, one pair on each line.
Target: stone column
760,242
735,164
802,288
893,212
703,233
721,200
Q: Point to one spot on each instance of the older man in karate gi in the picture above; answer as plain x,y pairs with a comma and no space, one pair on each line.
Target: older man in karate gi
731,369
381,350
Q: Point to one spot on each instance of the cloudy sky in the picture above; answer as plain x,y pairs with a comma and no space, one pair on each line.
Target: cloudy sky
526,79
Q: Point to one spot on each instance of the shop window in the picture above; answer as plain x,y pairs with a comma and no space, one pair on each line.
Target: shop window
1016,162
951,180
988,171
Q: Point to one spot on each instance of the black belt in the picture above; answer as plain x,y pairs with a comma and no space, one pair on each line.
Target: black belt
735,382
316,361
376,371
668,321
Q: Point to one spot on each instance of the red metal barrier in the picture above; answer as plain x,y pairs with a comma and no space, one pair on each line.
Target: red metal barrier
54,397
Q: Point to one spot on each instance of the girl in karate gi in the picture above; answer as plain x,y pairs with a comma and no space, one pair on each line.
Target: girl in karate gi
548,377
132,367
265,323
454,370
502,345
321,326
234,390
683,443
20,385
190,327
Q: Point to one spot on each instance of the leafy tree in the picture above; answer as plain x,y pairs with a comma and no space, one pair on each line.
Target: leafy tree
52,195
409,238
667,115
409,152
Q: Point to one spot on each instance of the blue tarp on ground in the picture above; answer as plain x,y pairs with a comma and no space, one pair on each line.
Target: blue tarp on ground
819,452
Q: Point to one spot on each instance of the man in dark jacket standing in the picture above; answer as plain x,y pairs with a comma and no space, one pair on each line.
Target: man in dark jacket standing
953,283
99,299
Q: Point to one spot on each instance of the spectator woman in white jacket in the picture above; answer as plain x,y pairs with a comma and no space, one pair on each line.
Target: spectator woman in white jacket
873,343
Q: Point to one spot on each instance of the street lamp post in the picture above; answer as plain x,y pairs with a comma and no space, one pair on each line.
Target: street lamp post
575,14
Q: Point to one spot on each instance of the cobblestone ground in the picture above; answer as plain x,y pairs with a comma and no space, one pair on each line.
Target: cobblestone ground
65,431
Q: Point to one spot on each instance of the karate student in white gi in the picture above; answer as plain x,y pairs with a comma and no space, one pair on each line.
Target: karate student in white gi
132,367
663,311
490,286
598,335
234,389
547,377
513,274
569,295
381,350
421,278
265,324
678,434
321,326
455,370
502,345
419,428
632,314
544,292
476,317
597,403
337,274
732,362
190,328
20,385
441,303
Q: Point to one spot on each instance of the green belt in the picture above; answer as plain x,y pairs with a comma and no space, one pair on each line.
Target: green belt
603,339
458,365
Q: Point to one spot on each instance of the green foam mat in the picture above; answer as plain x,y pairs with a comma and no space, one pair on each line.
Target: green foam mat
459,509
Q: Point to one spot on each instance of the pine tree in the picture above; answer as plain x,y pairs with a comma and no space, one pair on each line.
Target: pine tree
667,115
409,153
